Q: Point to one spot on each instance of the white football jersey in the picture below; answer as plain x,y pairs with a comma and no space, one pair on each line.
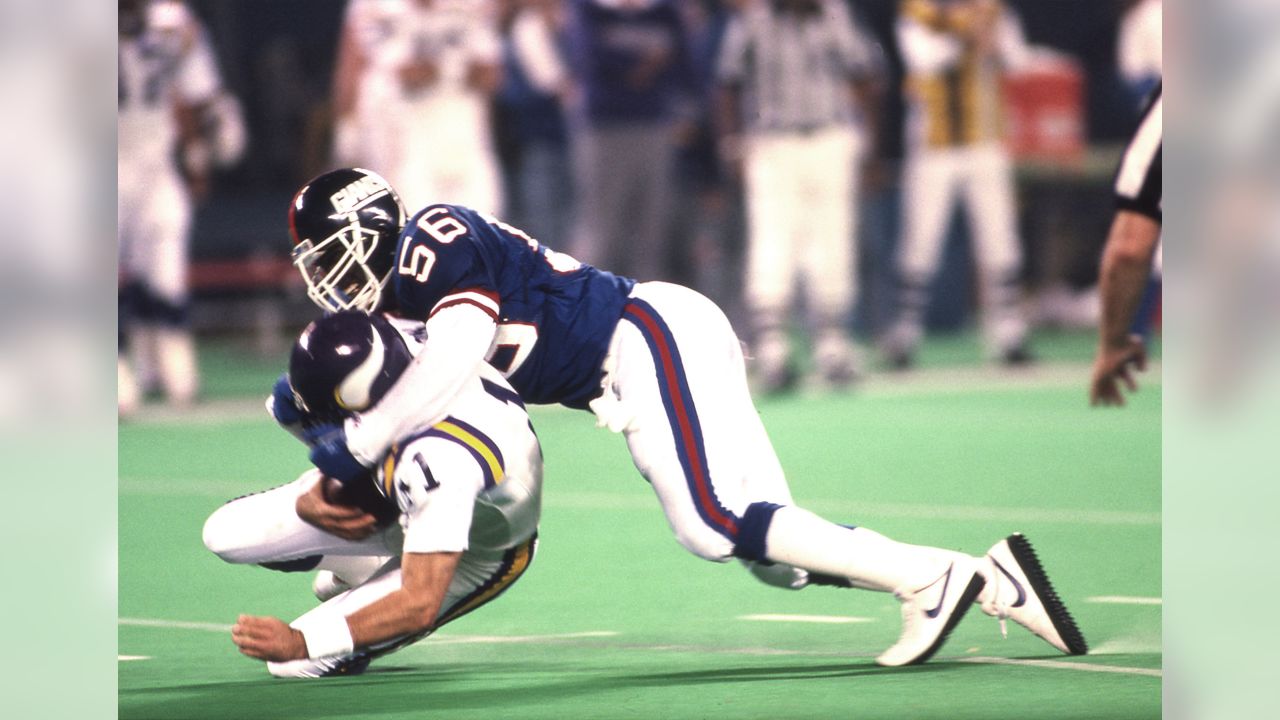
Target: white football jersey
472,480
450,33
170,62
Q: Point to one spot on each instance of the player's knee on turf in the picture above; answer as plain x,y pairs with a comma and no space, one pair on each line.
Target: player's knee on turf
224,537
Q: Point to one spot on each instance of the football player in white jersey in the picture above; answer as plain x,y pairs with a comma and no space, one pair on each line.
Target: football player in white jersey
169,94
467,493
412,90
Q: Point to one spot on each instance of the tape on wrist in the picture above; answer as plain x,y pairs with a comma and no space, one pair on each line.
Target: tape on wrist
326,635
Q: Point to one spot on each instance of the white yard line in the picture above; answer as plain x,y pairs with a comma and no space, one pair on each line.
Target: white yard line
227,489
435,640
1125,600
508,639
127,658
832,619
1062,665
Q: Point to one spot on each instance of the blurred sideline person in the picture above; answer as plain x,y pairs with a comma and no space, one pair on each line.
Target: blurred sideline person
796,81
955,52
1130,257
1140,48
412,88
656,362
170,104
631,61
535,87
466,492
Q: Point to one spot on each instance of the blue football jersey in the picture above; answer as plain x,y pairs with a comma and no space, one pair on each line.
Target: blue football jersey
555,315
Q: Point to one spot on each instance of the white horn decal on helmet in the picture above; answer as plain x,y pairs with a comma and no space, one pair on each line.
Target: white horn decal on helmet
354,391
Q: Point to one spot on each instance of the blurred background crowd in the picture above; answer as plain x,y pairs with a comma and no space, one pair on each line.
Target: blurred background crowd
842,176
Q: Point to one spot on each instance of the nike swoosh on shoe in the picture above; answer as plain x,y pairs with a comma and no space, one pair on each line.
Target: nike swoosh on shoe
1022,593
941,598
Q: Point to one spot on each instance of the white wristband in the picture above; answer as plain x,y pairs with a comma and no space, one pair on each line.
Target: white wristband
326,635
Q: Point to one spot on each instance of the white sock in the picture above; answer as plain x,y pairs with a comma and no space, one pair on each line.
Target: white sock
176,355
127,395
870,560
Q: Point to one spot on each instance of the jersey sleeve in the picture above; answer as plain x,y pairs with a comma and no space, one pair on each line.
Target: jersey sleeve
436,484
439,264
1139,183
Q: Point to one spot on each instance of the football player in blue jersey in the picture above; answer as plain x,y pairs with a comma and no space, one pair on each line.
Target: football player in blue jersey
656,362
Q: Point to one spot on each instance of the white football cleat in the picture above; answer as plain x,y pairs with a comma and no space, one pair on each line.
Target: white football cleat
1018,589
931,612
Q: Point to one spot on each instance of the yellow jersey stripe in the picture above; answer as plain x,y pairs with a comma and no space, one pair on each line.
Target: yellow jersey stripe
486,451
520,559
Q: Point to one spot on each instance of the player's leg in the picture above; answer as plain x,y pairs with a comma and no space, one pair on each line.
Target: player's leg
479,579
165,230
989,194
828,249
598,186
645,242
128,393
698,440
774,205
264,529
692,420
928,195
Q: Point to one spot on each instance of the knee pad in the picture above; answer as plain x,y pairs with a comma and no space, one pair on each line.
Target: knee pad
752,530
222,537
706,544
219,537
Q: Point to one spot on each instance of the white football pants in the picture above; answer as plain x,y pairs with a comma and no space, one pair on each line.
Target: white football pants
675,385
801,192
982,177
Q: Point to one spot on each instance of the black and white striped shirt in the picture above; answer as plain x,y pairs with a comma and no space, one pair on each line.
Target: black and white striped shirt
794,69
1139,185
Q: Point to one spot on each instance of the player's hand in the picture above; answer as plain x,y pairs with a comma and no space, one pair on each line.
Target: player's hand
282,405
268,638
330,454
1113,366
346,521
418,75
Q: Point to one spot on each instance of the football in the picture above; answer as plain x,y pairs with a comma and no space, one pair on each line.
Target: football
361,494
335,493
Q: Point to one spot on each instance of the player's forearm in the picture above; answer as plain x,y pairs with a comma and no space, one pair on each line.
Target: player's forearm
396,615
411,609
1126,265
458,338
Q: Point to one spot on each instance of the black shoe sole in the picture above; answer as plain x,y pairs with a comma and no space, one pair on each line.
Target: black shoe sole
966,601
1061,618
